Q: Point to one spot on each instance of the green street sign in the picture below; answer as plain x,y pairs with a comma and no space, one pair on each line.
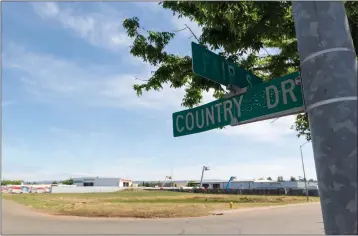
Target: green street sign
276,98
216,68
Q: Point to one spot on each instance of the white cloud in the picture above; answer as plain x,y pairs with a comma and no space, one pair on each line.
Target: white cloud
7,103
89,84
82,149
86,146
142,169
121,88
99,28
265,131
268,166
103,30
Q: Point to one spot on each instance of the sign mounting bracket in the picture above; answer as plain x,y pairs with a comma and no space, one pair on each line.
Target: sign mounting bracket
234,90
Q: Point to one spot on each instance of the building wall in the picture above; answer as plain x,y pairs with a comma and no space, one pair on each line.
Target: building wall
289,184
240,185
107,182
233,184
180,184
299,184
125,183
212,185
267,185
78,181
62,189
260,185
102,182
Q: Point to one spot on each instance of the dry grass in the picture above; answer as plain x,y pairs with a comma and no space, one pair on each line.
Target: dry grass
145,204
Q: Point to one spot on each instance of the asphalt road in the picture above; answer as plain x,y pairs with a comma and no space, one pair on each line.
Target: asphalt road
298,219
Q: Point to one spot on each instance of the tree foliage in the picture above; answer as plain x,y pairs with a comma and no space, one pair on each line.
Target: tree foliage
269,178
293,179
235,29
192,183
302,179
11,182
67,182
280,179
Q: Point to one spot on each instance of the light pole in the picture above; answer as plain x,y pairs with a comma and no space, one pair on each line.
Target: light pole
303,168
205,168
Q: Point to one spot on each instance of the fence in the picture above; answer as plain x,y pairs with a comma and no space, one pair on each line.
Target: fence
281,191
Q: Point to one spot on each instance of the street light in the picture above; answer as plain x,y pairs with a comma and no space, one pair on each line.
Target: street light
205,168
303,168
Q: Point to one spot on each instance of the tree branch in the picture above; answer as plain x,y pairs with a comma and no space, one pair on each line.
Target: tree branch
267,51
192,32
141,79
187,27
180,30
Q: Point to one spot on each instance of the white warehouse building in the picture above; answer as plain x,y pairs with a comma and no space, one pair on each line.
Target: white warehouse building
258,184
101,182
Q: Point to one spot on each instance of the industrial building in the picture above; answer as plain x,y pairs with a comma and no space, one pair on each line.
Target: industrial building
257,184
240,184
101,182
170,183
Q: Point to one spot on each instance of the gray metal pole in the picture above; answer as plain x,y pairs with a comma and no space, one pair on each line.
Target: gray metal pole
304,172
329,79
202,176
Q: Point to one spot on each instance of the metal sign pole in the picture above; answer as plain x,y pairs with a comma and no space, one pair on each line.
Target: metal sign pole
329,79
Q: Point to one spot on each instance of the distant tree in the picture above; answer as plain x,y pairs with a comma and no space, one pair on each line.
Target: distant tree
293,179
191,183
302,179
261,178
54,182
279,179
68,181
11,182
269,178
151,184
311,180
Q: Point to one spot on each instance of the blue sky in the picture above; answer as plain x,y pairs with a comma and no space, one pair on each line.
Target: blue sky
69,109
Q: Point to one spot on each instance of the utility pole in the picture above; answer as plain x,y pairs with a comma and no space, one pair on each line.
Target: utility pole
205,168
304,172
329,80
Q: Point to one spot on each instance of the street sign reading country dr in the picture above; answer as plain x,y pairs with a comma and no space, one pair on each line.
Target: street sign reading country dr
278,97
216,68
